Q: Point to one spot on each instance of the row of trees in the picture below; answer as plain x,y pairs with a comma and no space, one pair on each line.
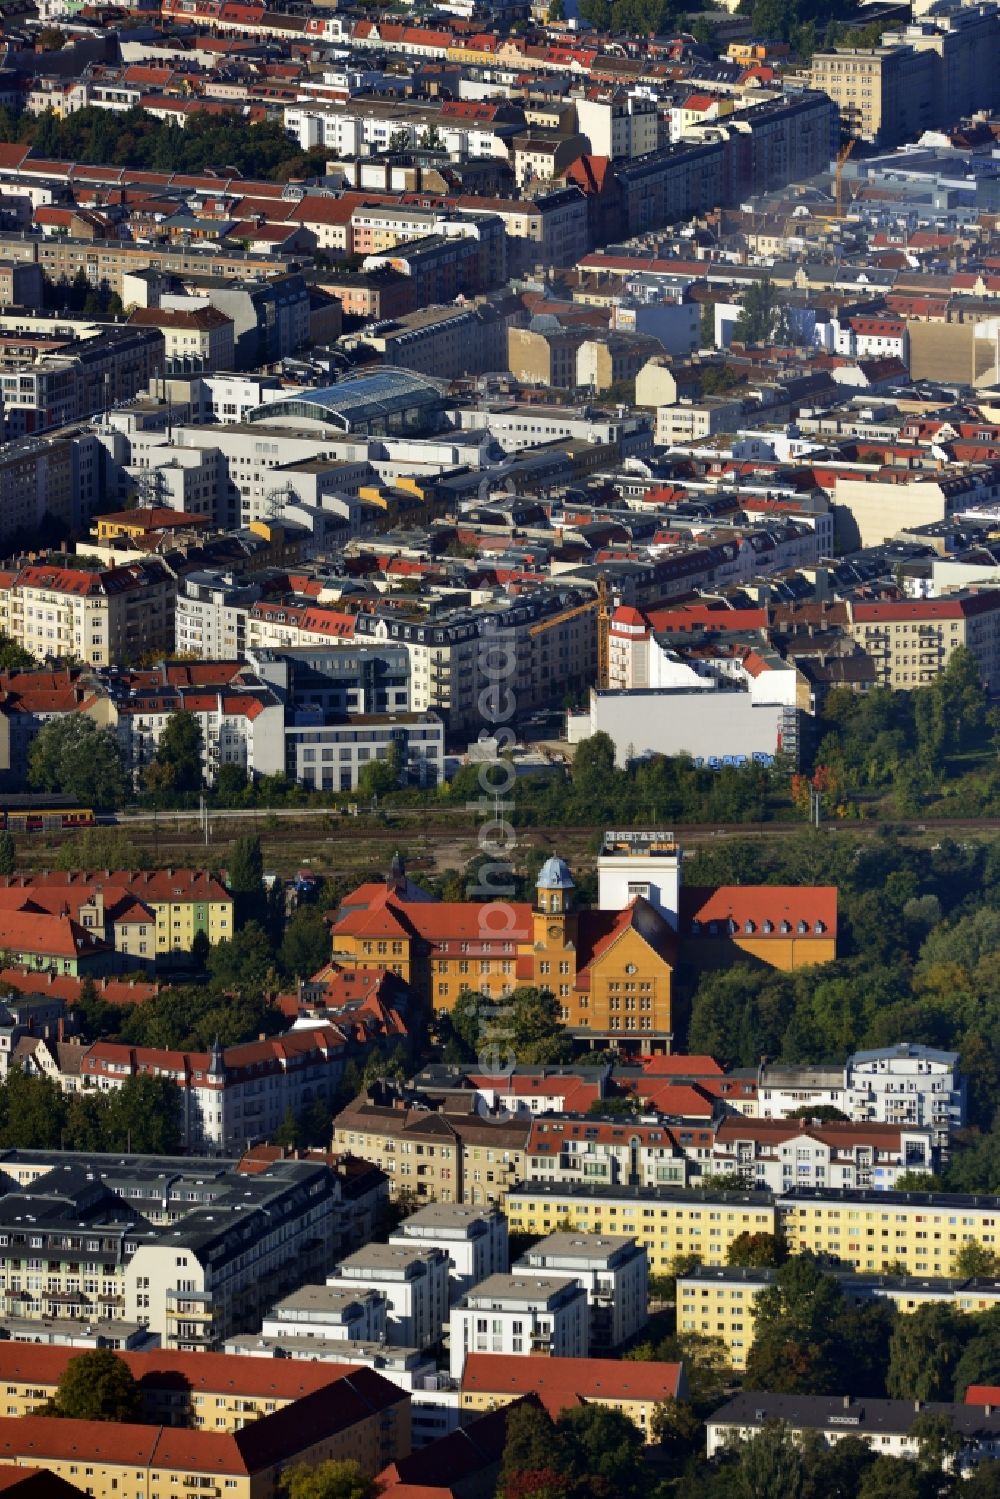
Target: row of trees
143,1116
217,142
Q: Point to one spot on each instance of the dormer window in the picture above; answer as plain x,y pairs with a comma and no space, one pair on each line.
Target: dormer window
749,927
803,927
768,926
819,928
786,926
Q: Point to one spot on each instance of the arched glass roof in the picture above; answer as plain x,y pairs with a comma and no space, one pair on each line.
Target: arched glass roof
357,402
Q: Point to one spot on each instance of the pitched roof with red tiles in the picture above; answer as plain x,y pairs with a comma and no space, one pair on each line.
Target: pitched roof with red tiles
563,1383
801,911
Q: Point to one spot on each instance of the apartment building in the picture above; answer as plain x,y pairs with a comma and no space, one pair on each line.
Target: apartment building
102,617
328,1314
520,1314
664,1221
59,474
234,1096
618,125
887,1426
614,1272
414,1281
332,756
444,342
194,338
189,1248
366,1419
241,724
437,1157
778,1155
591,1150
719,1301
911,641
473,1238
67,375
551,634
172,905
199,1391
911,1085
632,1387
879,1231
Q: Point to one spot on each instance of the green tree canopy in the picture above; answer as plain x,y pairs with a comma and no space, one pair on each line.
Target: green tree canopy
176,766
70,753
333,1479
97,1386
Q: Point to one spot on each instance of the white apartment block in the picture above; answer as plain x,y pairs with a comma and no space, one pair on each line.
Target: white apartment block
521,1313
778,1157
473,1238
239,726
414,1282
327,1313
620,126
614,1272
907,1084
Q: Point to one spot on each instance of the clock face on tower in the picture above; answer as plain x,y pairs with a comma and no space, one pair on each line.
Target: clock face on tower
555,931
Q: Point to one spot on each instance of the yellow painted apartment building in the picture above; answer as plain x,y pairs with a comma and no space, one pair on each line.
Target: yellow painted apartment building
664,1221
144,913
720,1301
363,1417
868,1231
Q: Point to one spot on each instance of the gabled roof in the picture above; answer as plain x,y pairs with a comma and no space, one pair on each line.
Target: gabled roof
563,1383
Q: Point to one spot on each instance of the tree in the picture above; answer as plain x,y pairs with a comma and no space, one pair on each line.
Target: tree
527,1024
245,963
675,1426
8,853
757,1250
333,1479
305,946
918,1181
975,1259
72,754
178,754
144,1116
603,1443
288,1132
532,1442
14,657
97,1386
230,784
380,777
819,1113
761,313
923,1352
246,879
768,1466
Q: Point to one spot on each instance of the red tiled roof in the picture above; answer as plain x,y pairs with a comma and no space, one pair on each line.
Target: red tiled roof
777,905
562,1383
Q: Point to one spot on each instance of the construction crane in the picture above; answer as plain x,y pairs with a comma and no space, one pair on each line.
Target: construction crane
560,619
842,156
603,633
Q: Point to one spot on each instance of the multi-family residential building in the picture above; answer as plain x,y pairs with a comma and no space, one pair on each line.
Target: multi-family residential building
194,338
664,1221
719,1301
141,914
633,1387
922,1232
367,1420
235,1096
473,1238
437,1157
889,1427
613,1270
103,617
780,1154
192,1249
919,1087
523,1314
911,641
414,1281
589,1149
328,1313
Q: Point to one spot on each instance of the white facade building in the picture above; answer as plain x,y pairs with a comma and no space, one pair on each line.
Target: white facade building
633,863
473,1238
614,1272
906,1084
326,1313
521,1313
414,1282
